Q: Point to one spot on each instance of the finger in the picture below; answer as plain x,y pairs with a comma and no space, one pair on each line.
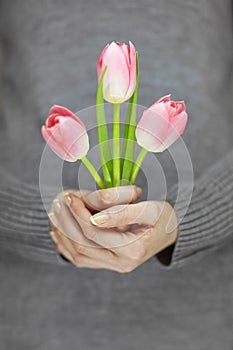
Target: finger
143,213
98,254
79,193
60,247
96,258
101,199
106,238
87,262
83,256
64,221
61,195
67,243
86,256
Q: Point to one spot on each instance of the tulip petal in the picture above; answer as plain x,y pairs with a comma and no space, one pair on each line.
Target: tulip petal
160,109
73,137
162,124
132,71
120,79
54,145
65,133
132,54
100,66
165,98
80,148
171,110
116,81
176,128
60,110
126,50
180,106
152,130
57,110
147,140
180,121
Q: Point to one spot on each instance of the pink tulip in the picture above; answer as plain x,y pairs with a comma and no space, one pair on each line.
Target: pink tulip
120,79
66,134
161,124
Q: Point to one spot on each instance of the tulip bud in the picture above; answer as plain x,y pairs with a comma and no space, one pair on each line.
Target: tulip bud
120,79
161,124
66,134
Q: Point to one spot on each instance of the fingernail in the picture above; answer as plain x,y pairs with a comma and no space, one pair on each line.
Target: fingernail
139,191
99,219
54,238
108,195
57,206
52,219
68,199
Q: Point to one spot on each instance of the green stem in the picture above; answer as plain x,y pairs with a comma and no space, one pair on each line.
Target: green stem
116,145
126,127
129,131
103,138
138,164
129,151
93,172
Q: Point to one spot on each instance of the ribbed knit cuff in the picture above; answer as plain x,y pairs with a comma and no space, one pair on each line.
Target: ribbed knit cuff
208,222
24,224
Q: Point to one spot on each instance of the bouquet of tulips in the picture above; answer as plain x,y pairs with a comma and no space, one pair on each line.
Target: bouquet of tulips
159,127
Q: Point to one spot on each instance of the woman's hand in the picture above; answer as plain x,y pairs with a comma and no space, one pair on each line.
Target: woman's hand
121,237
94,202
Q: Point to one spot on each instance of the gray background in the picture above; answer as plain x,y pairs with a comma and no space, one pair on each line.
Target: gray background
49,51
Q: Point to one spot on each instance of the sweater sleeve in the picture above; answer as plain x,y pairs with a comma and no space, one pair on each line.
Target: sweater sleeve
208,222
24,225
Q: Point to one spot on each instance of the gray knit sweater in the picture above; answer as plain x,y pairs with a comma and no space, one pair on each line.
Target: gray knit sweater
48,55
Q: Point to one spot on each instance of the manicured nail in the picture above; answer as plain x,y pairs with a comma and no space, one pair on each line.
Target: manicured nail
109,195
53,219
68,199
139,191
99,219
54,238
57,206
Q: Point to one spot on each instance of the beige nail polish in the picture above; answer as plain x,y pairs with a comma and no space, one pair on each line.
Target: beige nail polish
99,219
68,199
54,238
57,206
53,219
139,191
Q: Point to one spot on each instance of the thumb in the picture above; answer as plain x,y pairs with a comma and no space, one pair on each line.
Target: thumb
101,199
143,213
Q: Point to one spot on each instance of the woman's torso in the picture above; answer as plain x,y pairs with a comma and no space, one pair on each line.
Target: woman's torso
50,51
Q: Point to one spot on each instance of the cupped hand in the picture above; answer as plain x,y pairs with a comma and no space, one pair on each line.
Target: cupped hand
69,240
120,237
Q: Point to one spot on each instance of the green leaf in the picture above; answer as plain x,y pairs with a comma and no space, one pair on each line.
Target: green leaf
129,131
116,145
103,138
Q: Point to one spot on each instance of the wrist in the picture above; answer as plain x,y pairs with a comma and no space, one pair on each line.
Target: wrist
167,228
172,225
